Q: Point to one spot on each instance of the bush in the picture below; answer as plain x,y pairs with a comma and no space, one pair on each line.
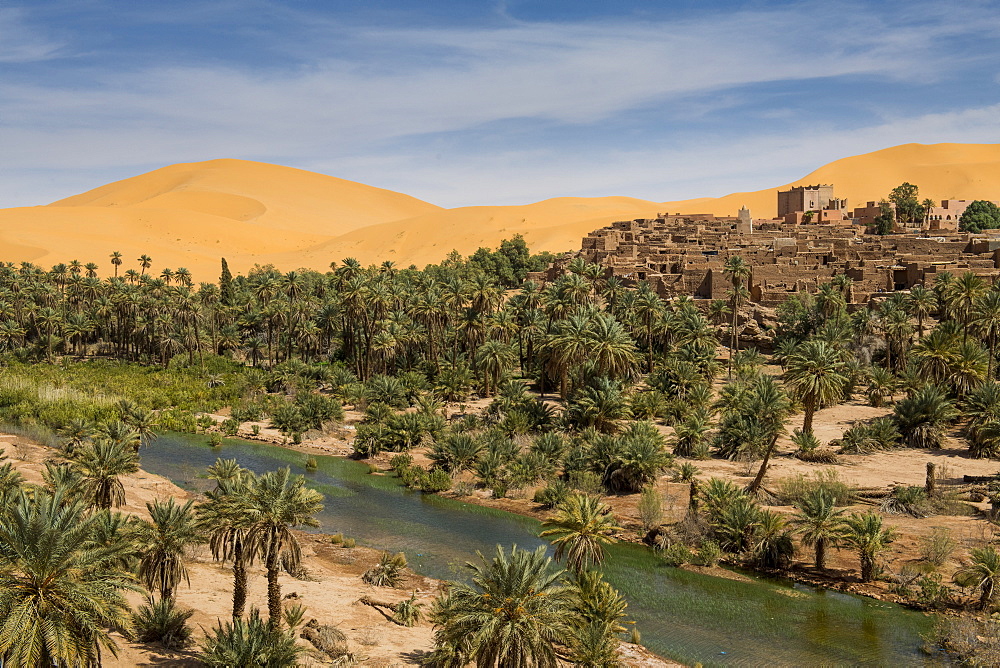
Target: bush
793,490
249,642
350,543
408,612
677,554
388,572
709,554
160,621
436,481
552,494
650,508
230,427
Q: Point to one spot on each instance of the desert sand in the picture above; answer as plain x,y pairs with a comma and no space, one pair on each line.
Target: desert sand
190,215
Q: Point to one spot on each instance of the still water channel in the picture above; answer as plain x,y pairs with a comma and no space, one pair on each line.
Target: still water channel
685,616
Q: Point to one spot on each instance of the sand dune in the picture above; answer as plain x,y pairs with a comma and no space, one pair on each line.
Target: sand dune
190,215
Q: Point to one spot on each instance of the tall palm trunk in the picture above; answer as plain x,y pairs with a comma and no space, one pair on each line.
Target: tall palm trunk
807,421
239,581
273,588
821,553
759,479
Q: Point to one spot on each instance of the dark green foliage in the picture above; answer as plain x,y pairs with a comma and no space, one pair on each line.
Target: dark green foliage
906,197
980,215
161,621
249,642
629,462
921,418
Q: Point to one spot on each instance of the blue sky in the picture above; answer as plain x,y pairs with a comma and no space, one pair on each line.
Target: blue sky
465,102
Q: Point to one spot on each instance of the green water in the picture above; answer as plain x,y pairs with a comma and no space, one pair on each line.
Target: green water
682,615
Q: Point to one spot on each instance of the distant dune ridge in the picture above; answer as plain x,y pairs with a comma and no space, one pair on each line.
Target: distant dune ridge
192,214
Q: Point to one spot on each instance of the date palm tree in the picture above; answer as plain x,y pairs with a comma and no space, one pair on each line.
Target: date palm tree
921,303
116,260
983,573
225,519
278,502
513,613
59,591
738,272
816,374
583,525
102,463
866,533
820,524
161,560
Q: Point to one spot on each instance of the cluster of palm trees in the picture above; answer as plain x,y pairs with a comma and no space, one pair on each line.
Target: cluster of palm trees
68,557
519,609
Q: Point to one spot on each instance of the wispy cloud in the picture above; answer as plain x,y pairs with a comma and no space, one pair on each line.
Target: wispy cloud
385,97
20,43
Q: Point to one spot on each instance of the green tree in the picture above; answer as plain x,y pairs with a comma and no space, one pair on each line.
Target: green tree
60,593
816,374
978,216
102,463
164,540
906,197
885,220
581,528
514,613
225,518
983,573
279,502
819,523
866,533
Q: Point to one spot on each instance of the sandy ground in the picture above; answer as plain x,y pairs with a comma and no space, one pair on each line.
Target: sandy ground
329,591
192,214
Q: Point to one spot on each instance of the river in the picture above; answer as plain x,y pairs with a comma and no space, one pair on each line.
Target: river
686,616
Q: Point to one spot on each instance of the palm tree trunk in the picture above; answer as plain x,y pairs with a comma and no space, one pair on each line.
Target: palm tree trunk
759,479
273,590
807,421
821,553
239,582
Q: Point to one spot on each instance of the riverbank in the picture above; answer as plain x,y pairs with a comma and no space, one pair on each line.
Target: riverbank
905,467
329,587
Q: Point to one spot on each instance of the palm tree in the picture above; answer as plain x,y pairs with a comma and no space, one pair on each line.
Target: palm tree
870,538
987,323
225,519
116,260
278,502
493,360
581,528
738,272
770,407
145,262
161,562
102,463
816,375
820,524
59,593
921,418
921,303
514,613
983,572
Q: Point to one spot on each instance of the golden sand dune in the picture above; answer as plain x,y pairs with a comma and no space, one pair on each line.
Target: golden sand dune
190,215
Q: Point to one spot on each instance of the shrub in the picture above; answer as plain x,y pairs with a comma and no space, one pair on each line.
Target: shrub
708,554
160,621
230,427
388,572
401,461
436,481
793,490
249,642
408,611
650,508
337,538
677,554
936,548
214,440
350,543
552,494
311,464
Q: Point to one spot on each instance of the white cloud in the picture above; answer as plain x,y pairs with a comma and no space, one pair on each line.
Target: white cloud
410,84
19,43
